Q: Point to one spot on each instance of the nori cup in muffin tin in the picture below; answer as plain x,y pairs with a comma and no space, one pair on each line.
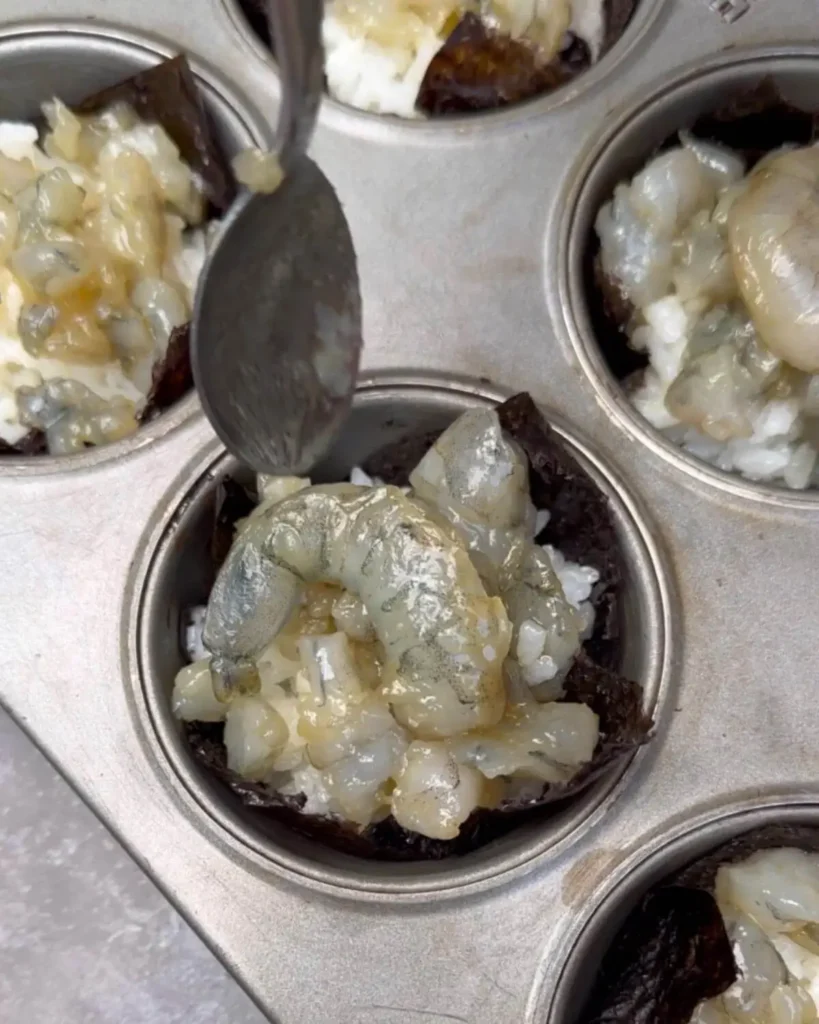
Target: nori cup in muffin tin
672,951
581,526
165,94
751,122
478,69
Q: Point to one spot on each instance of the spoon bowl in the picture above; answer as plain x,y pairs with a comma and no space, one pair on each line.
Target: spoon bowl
277,325
276,335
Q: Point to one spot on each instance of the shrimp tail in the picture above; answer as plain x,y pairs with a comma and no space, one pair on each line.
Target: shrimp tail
252,600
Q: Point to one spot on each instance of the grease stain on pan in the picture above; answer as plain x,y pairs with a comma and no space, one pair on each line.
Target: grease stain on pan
587,873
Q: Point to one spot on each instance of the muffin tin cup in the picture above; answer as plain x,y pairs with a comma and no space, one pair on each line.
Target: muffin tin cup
72,62
626,145
658,858
338,114
176,576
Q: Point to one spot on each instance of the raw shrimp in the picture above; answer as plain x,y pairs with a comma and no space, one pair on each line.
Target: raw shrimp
349,730
762,970
433,794
543,22
720,268
444,639
479,480
256,726
774,237
769,903
542,741
779,889
474,472
193,697
271,491
337,711
637,228
546,628
255,735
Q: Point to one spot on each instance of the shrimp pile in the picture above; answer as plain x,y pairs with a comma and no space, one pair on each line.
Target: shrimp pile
722,270
101,244
770,905
386,651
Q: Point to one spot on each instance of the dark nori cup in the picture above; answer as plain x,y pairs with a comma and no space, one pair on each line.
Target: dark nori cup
165,94
672,951
581,526
751,122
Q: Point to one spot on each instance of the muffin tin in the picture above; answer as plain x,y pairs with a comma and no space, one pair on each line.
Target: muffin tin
467,235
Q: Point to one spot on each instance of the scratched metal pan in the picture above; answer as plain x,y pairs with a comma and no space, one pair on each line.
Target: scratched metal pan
467,234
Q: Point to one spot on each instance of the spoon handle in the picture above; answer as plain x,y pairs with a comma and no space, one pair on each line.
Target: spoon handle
296,30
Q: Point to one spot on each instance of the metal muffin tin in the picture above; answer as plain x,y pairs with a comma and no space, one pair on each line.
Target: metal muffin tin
467,239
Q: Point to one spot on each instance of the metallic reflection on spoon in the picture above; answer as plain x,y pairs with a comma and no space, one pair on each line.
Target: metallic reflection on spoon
276,334
278,326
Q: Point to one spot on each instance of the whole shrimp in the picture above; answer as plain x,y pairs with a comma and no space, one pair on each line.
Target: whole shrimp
774,237
479,480
445,639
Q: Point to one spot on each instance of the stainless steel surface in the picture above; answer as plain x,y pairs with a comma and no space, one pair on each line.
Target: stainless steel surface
460,230
276,335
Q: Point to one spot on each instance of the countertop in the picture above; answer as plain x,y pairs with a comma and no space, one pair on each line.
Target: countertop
85,937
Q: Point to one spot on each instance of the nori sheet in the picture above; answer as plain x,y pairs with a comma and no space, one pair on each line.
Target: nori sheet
478,69
752,122
755,121
172,377
559,483
234,501
672,952
32,443
166,94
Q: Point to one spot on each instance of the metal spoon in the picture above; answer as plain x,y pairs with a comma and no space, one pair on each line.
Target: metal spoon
276,334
